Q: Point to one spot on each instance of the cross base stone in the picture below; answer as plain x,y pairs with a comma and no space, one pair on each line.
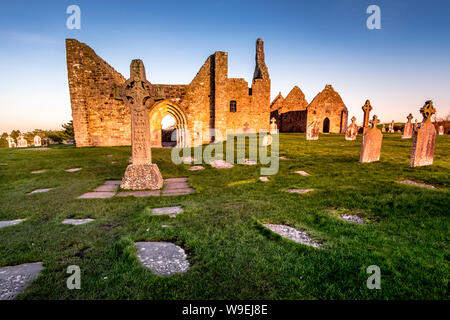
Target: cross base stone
142,177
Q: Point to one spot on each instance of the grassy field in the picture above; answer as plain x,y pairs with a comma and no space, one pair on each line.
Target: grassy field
231,255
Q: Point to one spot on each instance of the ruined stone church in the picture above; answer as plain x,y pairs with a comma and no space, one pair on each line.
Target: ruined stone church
293,113
210,101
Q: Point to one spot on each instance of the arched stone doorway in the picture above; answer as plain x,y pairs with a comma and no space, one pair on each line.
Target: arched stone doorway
160,111
326,125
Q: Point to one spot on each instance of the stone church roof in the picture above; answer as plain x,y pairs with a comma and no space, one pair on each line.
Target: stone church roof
327,97
294,101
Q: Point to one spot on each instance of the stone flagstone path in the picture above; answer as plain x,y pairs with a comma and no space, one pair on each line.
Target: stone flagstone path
293,234
7,223
77,222
176,186
14,279
162,258
106,190
172,187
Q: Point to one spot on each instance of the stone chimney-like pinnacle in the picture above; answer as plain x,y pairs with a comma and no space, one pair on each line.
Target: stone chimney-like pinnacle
261,71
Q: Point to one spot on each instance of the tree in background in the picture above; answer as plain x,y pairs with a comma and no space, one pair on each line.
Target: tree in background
3,142
57,136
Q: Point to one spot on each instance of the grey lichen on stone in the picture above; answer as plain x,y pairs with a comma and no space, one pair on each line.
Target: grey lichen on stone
293,234
162,258
14,279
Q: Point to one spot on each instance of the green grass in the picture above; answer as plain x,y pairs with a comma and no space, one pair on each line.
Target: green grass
232,256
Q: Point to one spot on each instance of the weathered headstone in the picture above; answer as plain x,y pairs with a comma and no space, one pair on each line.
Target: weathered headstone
415,125
22,142
37,141
371,145
273,126
441,130
137,93
366,108
383,128
392,127
11,142
312,131
408,129
422,152
352,130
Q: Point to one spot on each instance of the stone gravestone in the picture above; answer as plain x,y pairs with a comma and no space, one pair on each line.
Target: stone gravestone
273,126
366,108
415,125
352,130
408,129
392,127
312,131
383,128
371,145
137,93
22,142
441,130
37,141
422,152
11,142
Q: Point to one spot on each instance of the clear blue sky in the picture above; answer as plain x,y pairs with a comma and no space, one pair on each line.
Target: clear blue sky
307,43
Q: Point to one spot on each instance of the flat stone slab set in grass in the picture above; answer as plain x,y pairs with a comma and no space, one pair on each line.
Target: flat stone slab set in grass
221,164
299,191
162,258
196,168
264,179
353,218
40,190
73,170
38,171
7,223
77,222
107,190
302,173
171,211
176,186
293,234
417,184
14,279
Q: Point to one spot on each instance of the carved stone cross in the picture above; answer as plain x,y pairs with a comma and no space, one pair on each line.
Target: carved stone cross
366,108
137,94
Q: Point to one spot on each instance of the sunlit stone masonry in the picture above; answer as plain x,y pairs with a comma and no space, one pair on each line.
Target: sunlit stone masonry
137,94
408,129
371,145
424,138
352,130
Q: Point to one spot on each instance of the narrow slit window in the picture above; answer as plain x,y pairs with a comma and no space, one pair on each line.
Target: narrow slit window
232,106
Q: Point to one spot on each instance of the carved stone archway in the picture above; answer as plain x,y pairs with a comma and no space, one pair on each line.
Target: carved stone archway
157,112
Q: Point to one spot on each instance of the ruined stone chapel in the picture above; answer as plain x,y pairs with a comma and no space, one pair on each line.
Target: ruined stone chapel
210,101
